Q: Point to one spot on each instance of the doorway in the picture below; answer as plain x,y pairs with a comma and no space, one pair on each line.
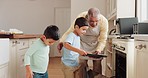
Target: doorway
62,20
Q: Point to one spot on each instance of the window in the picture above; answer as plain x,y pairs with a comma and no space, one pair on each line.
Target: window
147,9
142,10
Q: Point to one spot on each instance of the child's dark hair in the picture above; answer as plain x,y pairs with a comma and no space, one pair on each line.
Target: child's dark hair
52,32
81,21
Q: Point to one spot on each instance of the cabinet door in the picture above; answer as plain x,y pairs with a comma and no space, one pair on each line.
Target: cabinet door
141,59
12,59
111,8
22,46
4,71
20,64
4,50
18,48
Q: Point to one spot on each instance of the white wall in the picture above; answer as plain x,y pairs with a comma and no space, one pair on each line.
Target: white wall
30,16
78,6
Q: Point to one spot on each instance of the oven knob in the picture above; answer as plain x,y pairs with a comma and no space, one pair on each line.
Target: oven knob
123,49
114,45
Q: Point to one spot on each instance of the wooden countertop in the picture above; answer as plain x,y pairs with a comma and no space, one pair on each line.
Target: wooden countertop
20,36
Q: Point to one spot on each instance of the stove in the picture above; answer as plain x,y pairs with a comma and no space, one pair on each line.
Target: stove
124,57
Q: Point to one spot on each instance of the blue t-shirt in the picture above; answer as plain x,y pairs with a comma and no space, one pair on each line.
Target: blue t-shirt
71,58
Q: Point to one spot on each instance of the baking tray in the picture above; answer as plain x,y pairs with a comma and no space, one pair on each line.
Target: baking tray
96,55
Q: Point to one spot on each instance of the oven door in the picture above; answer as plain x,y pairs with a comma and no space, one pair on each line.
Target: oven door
120,64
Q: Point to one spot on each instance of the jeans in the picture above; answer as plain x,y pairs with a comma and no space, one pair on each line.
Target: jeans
40,75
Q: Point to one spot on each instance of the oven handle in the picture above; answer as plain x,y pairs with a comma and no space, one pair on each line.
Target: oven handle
119,48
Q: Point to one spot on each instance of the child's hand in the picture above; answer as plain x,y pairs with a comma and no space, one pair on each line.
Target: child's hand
59,47
83,53
29,73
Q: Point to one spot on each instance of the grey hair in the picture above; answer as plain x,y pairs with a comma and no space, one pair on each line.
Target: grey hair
93,12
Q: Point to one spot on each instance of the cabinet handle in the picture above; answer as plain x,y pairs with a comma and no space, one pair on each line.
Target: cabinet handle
22,60
18,42
23,43
14,42
140,46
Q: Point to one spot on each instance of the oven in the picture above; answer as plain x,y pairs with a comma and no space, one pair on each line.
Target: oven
120,64
123,51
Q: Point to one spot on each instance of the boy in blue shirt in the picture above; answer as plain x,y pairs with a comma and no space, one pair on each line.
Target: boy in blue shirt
71,49
37,56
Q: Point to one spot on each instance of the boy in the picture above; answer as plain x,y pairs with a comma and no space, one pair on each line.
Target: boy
71,49
37,56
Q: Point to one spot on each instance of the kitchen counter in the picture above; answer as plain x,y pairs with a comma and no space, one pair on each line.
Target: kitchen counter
141,37
19,36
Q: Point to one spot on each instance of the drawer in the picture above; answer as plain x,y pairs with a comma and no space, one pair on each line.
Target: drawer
31,41
20,58
22,44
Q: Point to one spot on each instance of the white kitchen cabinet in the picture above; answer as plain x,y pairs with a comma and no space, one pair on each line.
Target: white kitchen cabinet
4,57
4,71
111,8
12,61
18,47
22,46
141,49
4,50
120,8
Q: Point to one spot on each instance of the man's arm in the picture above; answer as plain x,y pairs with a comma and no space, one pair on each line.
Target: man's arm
62,39
103,33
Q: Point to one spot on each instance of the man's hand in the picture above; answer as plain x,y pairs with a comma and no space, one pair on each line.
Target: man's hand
29,73
97,52
59,46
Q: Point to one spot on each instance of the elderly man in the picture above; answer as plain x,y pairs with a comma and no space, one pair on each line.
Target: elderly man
95,38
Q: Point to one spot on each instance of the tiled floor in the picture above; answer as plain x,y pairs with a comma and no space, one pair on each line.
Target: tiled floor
54,68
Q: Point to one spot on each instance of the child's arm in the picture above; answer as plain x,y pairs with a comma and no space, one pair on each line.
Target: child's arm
69,47
32,49
29,73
